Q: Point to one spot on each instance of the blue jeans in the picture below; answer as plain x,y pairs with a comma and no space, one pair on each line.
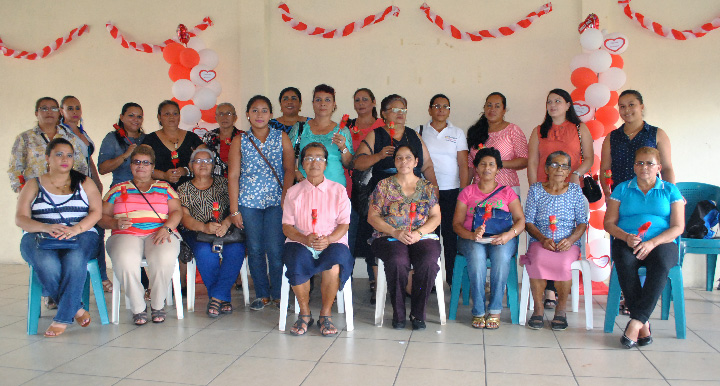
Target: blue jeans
61,272
476,255
218,277
100,255
264,236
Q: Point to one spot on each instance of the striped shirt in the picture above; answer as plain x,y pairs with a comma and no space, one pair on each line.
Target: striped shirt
69,209
144,220
511,143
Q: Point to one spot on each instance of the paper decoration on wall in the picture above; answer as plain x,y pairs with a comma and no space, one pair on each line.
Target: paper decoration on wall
45,51
329,33
665,32
485,34
153,48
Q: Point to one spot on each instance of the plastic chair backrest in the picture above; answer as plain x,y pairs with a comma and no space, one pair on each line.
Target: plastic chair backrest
695,192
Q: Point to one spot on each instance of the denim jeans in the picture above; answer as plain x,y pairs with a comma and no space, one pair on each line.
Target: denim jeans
476,255
352,240
264,236
218,276
61,272
100,255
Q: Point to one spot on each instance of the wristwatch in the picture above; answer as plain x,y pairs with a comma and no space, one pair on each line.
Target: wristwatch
345,150
169,230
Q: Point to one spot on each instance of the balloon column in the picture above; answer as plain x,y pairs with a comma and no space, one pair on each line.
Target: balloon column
195,87
597,75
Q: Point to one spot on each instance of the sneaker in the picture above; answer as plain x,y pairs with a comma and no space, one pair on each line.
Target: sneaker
259,304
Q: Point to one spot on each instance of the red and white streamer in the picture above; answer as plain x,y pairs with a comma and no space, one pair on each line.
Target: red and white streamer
665,32
335,33
153,48
485,34
47,50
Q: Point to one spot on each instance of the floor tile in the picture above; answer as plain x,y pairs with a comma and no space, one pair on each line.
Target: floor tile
184,367
590,381
247,320
285,346
594,339
681,382
428,377
153,336
110,361
13,377
350,374
526,360
265,372
368,330
366,352
58,379
692,366
15,292
140,382
525,379
43,355
595,363
7,345
522,336
711,337
443,356
452,332
666,340
221,342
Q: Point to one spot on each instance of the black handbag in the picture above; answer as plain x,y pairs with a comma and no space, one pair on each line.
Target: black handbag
591,188
45,241
233,235
500,222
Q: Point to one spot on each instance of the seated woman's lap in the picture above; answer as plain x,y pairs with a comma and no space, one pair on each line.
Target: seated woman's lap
548,265
51,264
423,253
301,265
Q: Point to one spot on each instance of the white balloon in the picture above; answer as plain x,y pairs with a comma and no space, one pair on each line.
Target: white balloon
597,95
597,146
196,44
613,77
209,58
595,234
190,114
600,61
591,39
201,75
214,86
183,89
615,43
204,99
584,111
582,60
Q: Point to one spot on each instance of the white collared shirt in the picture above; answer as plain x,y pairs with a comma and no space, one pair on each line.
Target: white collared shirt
443,148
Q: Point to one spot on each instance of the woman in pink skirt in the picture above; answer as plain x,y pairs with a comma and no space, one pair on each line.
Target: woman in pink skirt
556,217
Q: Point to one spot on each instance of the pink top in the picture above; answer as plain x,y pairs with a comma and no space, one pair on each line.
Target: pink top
329,199
472,195
511,143
560,137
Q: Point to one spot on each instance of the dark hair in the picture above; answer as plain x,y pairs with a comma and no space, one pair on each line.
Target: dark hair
554,154
125,108
76,178
436,96
479,132
65,98
390,99
315,145
412,150
324,88
258,98
570,114
166,103
41,100
632,92
372,98
143,149
488,152
293,89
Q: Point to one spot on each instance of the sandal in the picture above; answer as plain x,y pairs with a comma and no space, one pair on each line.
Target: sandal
84,319
326,325
213,305
417,324
550,304
158,316
147,295
492,322
301,325
536,322
478,321
140,318
54,331
226,308
559,323
107,285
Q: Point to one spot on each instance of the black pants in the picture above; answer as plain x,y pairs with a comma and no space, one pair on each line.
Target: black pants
641,300
448,201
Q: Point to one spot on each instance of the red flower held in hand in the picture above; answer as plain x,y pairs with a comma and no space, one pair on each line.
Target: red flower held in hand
643,229
314,215
487,214
174,158
608,177
391,126
216,211
344,121
413,214
123,193
553,225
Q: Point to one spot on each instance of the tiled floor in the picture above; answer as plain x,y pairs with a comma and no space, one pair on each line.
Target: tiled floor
247,348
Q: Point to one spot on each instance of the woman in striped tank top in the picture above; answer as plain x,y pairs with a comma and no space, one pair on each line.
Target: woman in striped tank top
65,204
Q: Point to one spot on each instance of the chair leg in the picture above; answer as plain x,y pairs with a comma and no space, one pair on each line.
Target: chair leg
380,292
525,297
458,269
245,284
340,301
115,317
284,297
666,299
191,270
678,294
346,294
711,264
465,284
587,284
575,290
98,291
440,295
613,302
512,292
86,293
178,292
34,300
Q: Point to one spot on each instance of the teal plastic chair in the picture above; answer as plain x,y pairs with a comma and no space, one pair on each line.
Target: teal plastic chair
35,296
695,192
461,279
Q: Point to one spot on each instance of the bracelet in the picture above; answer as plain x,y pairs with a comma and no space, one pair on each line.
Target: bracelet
514,231
575,172
233,214
418,231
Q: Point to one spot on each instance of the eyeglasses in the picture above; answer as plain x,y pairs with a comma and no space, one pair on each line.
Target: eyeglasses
227,114
46,109
138,162
311,159
556,165
202,161
645,163
398,110
440,107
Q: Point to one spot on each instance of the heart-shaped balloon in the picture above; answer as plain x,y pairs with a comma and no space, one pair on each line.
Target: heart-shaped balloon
207,76
614,45
581,109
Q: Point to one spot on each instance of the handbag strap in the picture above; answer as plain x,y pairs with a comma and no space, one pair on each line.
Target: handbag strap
151,207
272,169
582,157
53,202
492,194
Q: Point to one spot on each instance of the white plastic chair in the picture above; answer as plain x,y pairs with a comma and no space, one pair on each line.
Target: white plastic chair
381,288
173,285
344,302
191,266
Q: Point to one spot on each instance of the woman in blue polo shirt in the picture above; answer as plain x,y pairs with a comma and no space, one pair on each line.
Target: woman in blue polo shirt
633,204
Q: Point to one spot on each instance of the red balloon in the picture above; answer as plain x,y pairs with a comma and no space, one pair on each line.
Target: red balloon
607,115
583,77
209,115
178,71
617,61
596,219
608,130
182,103
613,99
597,204
189,58
578,94
171,53
596,128
595,168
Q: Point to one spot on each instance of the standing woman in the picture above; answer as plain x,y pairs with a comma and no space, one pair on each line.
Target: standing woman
618,149
290,106
172,142
261,169
219,140
116,148
492,130
448,150
322,129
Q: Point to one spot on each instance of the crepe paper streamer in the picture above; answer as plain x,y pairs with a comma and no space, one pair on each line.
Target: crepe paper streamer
153,48
591,21
391,126
47,50
174,158
485,34
314,215
553,225
413,213
643,229
335,33
216,211
665,32
344,121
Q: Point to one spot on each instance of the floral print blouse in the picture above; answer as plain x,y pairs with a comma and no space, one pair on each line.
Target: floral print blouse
394,207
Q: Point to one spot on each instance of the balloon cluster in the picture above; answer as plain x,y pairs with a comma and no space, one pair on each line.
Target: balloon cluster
192,70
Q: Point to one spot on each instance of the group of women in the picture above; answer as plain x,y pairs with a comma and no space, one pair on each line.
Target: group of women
311,193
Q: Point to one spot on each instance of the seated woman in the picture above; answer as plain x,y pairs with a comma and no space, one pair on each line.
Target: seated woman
199,197
635,204
403,237
316,217
143,214
64,204
477,249
556,217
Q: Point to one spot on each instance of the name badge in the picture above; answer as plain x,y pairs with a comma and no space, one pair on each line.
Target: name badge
451,139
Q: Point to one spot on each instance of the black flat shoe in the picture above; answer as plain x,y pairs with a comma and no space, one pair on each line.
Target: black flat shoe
646,341
399,325
625,341
417,324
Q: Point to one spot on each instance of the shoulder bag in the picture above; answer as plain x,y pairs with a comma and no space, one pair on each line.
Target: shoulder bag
46,241
500,221
591,188
272,169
